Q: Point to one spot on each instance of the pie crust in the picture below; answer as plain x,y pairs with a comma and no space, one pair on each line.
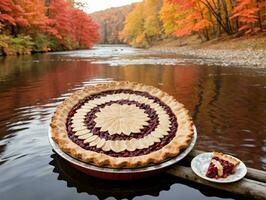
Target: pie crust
121,125
226,157
221,166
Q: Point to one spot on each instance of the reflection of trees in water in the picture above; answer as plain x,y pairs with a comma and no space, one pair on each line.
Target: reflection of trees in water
227,114
125,189
37,84
30,83
227,104
226,110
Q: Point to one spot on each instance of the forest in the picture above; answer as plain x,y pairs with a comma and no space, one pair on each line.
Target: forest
44,25
155,20
111,22
28,26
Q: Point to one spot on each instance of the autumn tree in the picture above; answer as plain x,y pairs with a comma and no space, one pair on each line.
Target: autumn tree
71,26
84,30
246,13
152,27
59,16
34,13
12,14
143,25
211,18
111,23
169,16
152,22
133,32
27,25
191,17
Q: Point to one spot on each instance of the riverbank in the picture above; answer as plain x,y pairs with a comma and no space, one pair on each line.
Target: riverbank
244,51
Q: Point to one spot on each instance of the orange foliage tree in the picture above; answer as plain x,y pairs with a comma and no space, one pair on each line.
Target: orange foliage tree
12,13
84,30
59,13
206,18
246,13
214,17
191,18
34,13
45,22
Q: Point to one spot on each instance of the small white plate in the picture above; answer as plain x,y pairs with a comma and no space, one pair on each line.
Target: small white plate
200,165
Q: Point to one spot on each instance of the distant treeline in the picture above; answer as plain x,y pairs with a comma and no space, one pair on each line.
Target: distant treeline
153,20
111,22
44,25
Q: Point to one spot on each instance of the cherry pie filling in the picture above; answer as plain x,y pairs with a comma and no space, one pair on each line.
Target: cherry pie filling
146,130
226,168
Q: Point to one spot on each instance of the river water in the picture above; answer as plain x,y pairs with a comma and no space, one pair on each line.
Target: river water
228,106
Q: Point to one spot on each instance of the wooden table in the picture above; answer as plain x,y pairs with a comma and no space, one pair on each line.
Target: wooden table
253,185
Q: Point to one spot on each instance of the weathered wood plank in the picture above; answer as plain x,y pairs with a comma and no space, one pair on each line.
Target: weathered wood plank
247,187
256,174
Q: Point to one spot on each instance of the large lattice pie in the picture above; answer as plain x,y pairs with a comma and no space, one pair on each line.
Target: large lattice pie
121,124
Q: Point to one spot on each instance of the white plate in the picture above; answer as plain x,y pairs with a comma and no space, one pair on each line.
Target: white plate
200,165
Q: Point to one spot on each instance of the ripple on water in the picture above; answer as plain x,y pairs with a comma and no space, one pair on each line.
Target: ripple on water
227,105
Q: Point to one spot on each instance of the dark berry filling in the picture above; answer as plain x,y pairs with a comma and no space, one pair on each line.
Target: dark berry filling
228,169
152,123
212,171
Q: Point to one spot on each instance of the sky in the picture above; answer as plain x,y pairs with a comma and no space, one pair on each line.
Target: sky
96,5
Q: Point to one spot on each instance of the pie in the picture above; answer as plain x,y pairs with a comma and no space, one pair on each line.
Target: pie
121,125
221,166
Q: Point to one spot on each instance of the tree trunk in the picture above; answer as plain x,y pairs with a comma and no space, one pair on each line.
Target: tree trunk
227,20
218,26
236,23
259,15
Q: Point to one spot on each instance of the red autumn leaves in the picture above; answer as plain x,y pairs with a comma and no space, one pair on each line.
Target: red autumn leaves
231,17
57,18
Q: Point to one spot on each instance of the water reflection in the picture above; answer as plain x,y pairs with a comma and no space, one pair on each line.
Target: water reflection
148,188
227,105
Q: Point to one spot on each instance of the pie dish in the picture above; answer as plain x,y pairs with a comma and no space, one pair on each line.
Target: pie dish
221,166
121,125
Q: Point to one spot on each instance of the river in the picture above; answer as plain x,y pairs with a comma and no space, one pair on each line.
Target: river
228,106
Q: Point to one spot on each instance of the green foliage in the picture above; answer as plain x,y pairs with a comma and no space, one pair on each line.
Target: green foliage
54,44
41,43
22,44
70,44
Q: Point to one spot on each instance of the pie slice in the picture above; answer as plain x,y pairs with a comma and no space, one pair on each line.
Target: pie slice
121,125
221,166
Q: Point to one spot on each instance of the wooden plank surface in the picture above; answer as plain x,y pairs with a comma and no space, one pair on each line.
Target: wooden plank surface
246,187
252,186
254,174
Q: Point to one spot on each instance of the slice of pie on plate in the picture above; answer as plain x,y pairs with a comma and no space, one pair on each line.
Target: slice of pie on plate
121,125
221,166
